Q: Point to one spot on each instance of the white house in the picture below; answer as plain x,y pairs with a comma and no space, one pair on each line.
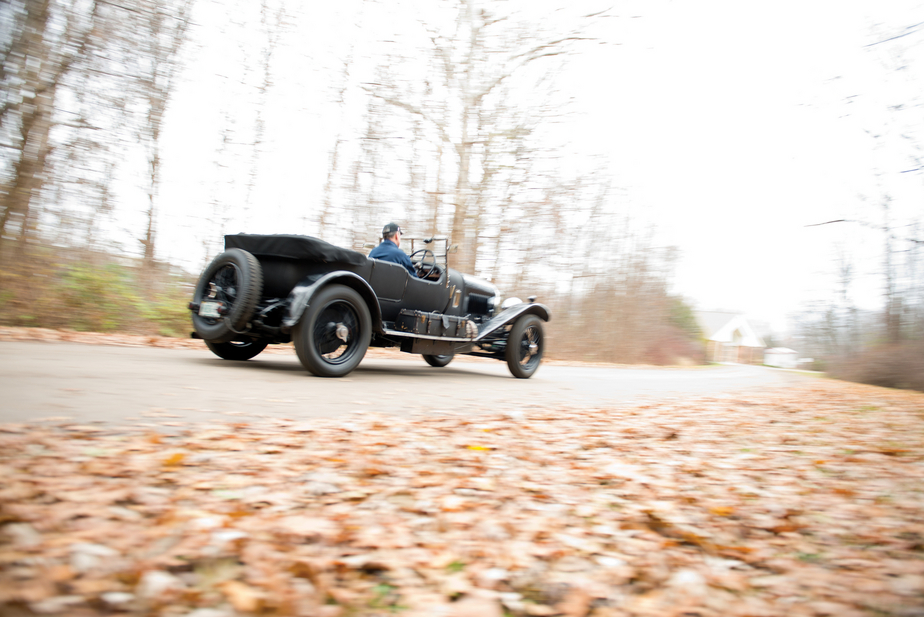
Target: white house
730,338
781,357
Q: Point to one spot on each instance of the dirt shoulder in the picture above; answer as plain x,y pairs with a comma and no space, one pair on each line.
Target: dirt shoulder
802,503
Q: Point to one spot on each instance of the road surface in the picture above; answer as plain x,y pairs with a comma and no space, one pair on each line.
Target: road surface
130,385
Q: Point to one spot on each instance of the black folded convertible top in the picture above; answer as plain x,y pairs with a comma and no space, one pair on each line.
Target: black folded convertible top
294,247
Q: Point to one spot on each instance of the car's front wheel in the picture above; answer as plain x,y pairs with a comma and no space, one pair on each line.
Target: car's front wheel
525,346
438,361
236,350
334,332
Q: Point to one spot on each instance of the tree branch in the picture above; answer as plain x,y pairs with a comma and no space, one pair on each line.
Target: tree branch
909,30
410,109
871,226
829,222
530,56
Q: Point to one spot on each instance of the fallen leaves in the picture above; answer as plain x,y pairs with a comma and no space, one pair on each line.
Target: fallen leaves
174,459
243,597
773,504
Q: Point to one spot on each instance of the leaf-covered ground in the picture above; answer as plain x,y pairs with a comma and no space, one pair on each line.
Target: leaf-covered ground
809,502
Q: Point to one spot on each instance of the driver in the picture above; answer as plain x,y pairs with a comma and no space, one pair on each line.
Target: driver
388,249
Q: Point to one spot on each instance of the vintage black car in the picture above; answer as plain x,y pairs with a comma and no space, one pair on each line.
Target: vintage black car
334,303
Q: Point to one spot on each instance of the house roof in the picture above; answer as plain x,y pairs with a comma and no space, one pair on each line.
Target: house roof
712,321
724,327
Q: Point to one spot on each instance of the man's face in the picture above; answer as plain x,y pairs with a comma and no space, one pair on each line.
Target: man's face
397,239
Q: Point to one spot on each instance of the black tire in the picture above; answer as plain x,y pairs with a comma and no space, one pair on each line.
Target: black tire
438,361
234,350
525,346
235,279
322,347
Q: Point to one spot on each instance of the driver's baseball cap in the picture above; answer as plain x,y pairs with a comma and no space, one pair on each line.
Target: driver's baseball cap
391,228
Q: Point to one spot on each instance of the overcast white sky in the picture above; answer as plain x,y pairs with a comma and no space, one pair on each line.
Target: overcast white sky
738,123
730,124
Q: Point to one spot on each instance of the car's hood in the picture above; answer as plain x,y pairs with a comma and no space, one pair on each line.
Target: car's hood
479,285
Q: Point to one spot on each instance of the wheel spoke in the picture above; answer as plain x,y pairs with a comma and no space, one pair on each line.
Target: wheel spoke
225,281
223,288
329,346
530,347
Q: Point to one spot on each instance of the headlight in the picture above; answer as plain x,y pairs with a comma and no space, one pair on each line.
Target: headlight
494,302
510,302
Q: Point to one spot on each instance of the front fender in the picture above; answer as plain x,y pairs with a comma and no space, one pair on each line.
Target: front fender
510,315
300,296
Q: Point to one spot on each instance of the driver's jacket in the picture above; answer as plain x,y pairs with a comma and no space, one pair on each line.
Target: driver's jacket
389,251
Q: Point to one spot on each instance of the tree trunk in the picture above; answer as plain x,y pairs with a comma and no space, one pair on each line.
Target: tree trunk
893,324
149,237
465,259
35,123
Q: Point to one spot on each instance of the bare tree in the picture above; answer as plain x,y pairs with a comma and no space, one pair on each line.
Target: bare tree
165,23
271,21
885,347
471,112
333,169
36,59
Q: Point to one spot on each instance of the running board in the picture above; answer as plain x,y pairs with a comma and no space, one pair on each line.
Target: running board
451,339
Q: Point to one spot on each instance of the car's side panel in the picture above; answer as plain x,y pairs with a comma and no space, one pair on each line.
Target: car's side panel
427,296
386,287
397,290
389,280
281,275
389,293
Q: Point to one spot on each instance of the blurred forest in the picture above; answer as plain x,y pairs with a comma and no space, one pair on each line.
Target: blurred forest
451,127
455,135
883,347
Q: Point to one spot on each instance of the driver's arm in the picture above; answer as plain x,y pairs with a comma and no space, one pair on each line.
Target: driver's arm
406,262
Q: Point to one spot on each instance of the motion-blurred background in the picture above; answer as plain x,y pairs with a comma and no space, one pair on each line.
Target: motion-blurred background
637,165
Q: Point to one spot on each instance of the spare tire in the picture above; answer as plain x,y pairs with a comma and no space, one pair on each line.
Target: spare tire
232,284
237,350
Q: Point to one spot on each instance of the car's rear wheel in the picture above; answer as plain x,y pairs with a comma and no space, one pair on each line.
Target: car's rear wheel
438,361
235,350
227,295
334,332
525,346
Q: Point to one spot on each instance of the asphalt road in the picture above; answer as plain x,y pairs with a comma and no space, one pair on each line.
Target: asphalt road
131,385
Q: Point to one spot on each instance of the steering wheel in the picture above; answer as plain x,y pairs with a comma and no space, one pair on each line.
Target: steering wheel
430,267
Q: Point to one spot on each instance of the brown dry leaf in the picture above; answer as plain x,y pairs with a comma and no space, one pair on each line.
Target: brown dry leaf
540,610
243,597
306,528
475,607
576,603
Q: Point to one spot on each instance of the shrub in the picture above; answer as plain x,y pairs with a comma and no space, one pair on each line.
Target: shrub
92,292
898,365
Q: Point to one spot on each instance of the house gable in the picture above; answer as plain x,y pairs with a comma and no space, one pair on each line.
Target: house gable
728,328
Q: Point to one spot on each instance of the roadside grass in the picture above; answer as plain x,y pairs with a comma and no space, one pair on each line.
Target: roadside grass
89,293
